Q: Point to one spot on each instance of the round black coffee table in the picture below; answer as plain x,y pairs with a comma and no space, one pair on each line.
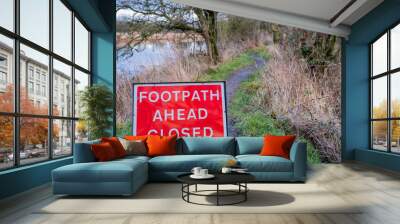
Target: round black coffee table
238,179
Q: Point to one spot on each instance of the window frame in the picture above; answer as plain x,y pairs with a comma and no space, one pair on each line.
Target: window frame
16,114
388,74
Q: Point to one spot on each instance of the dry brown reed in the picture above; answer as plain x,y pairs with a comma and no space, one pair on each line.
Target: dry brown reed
308,99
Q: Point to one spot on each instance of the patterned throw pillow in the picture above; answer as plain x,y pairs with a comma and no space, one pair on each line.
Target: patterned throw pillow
134,147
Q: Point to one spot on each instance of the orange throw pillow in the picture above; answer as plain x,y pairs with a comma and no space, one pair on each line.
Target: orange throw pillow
116,145
136,138
103,152
277,145
161,145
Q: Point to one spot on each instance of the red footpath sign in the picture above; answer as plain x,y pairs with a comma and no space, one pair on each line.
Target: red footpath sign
184,109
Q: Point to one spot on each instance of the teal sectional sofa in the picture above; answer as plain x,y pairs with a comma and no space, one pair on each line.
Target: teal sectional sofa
125,176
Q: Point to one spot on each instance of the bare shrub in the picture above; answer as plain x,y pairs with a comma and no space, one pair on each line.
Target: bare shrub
309,100
176,68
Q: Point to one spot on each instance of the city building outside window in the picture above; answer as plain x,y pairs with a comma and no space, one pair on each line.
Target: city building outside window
58,125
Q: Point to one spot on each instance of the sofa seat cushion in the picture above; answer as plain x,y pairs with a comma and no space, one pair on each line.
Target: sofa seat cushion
257,163
112,171
185,163
133,157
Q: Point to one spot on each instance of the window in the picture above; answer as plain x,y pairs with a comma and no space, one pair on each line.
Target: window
38,89
47,76
3,61
31,76
62,75
35,21
6,74
62,137
62,31
81,45
7,14
385,91
3,78
81,82
6,142
44,91
38,74
30,88
3,70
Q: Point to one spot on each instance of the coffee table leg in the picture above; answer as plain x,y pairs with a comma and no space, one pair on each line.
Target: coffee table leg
188,189
217,194
245,193
195,188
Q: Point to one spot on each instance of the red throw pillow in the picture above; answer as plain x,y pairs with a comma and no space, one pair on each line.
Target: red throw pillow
161,145
136,138
103,152
277,145
116,145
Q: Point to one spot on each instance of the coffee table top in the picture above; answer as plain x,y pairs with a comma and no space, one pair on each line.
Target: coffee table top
220,178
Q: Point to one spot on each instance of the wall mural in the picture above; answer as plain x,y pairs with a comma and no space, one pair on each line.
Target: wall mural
279,80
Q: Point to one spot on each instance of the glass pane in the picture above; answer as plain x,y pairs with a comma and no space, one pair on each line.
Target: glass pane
6,74
395,94
7,14
379,55
35,21
62,89
81,45
395,47
379,135
81,81
62,29
81,131
395,138
34,82
62,138
379,98
33,139
6,142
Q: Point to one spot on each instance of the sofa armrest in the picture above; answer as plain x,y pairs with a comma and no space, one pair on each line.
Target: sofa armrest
83,152
298,155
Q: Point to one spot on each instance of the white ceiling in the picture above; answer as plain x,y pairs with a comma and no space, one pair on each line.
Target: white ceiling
315,15
321,9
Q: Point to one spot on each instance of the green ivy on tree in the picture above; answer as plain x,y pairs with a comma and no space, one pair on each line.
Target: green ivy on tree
97,104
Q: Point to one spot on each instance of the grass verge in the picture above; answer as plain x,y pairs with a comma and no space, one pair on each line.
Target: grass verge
224,70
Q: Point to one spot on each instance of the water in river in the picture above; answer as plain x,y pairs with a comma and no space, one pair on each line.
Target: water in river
154,54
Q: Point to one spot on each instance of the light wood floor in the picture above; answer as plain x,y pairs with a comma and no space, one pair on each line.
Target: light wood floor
377,188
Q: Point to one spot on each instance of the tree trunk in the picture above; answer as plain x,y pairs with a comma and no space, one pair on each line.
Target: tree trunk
208,23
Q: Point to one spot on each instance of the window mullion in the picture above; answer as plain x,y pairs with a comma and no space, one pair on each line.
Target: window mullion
16,70
389,101
73,82
50,81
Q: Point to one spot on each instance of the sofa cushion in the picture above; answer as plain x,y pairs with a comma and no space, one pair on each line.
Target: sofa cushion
185,163
249,145
83,153
116,145
134,147
161,145
257,163
112,171
103,152
277,145
208,145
